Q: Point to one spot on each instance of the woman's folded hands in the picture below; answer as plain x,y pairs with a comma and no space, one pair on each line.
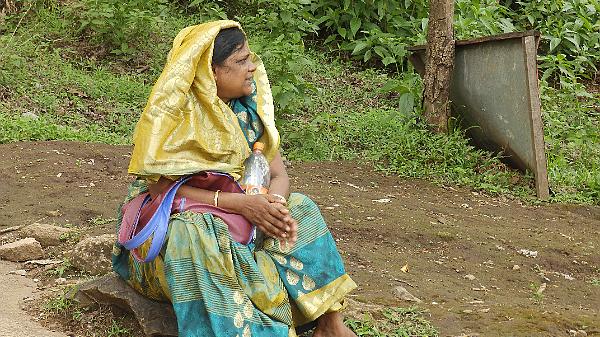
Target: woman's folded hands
270,215
266,211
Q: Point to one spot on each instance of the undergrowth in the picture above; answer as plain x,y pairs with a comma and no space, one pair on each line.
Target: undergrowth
396,322
63,76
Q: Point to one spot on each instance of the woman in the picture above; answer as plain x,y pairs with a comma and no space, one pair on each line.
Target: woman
210,105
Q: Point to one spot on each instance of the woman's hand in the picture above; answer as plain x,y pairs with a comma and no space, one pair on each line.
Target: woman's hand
270,215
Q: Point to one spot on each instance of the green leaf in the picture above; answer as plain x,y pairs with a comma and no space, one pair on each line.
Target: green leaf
367,56
342,32
406,103
379,50
554,42
388,60
360,45
354,26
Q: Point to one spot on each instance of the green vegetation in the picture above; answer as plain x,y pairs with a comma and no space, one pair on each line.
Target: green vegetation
116,330
81,70
537,294
396,322
61,269
59,304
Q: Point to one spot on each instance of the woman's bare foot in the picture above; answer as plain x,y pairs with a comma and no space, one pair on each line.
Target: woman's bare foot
332,325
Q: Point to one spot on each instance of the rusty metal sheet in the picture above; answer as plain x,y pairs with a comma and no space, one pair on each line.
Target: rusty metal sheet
495,96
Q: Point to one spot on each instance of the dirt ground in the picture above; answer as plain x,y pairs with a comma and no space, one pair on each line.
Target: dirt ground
461,247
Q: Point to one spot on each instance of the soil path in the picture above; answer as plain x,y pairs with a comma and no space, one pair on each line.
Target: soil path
465,252
13,320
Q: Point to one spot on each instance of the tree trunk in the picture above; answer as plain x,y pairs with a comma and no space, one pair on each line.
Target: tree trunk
439,64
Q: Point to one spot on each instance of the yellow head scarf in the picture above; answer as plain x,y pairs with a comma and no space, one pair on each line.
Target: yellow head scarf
185,128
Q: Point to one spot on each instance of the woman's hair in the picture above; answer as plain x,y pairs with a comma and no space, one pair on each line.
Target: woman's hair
226,43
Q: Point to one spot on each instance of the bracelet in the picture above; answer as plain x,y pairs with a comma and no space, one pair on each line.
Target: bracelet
281,197
216,198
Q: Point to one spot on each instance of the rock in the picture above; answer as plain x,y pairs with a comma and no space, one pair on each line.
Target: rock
516,267
9,229
47,235
403,294
155,318
44,262
541,289
357,310
577,333
93,254
470,277
29,115
528,253
20,272
60,280
22,250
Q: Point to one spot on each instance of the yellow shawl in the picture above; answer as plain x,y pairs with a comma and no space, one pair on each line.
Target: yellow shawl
185,128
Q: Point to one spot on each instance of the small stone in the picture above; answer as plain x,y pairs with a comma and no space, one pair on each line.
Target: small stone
470,277
43,262
516,267
541,289
29,115
93,254
403,294
47,235
60,280
9,229
54,213
155,318
22,250
528,253
20,272
467,311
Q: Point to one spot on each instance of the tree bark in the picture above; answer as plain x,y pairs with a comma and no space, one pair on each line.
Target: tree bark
439,64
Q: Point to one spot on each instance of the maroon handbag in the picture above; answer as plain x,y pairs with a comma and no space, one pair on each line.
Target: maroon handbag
142,209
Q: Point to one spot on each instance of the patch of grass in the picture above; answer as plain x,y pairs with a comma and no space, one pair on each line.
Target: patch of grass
117,330
72,236
396,322
595,282
401,145
101,221
537,294
61,269
59,305
445,236
572,121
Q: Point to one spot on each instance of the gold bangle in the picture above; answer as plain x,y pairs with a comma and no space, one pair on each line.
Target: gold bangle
216,198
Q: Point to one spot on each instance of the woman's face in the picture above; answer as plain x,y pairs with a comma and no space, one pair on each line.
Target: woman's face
234,76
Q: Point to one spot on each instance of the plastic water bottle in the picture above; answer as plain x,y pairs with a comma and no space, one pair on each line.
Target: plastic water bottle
256,180
257,175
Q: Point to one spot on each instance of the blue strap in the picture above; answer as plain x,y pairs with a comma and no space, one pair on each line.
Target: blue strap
157,225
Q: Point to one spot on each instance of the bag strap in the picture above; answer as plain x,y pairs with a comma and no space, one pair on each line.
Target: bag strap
157,225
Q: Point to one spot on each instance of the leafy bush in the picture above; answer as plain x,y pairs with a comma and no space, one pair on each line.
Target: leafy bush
570,36
118,24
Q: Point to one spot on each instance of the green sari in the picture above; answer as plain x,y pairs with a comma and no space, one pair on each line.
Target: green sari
219,287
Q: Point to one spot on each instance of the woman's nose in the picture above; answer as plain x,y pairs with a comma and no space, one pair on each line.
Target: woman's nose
251,67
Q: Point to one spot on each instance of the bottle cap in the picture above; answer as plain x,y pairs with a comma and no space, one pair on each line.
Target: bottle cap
258,146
